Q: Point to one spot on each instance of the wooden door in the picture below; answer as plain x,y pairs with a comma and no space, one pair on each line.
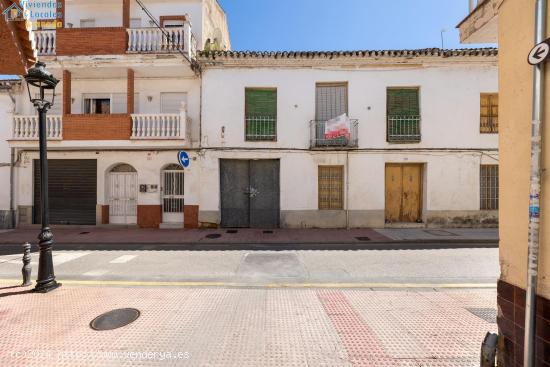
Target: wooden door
394,189
403,192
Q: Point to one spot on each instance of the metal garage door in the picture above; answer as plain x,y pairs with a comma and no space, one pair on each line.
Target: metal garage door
249,193
72,191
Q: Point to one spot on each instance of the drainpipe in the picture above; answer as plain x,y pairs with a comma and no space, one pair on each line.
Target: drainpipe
12,189
535,191
347,190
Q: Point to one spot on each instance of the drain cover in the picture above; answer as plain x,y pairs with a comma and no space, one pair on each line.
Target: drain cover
487,314
268,232
231,231
213,235
115,319
363,239
84,232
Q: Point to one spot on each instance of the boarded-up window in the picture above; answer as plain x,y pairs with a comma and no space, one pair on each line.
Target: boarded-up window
331,100
331,187
261,114
403,114
489,187
488,113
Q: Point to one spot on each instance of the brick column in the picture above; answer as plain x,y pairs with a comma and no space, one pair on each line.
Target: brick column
61,12
66,92
130,99
126,13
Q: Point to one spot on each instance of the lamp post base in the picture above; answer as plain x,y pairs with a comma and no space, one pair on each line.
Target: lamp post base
46,287
45,281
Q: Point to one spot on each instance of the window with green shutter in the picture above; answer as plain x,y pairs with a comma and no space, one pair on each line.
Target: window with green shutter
403,114
260,114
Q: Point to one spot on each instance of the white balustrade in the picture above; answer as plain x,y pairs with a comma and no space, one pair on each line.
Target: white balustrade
154,40
45,42
158,126
26,127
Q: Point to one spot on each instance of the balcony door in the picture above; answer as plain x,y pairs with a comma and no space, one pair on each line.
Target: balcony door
331,100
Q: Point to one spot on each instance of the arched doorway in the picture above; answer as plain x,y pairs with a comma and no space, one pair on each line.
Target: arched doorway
123,193
172,191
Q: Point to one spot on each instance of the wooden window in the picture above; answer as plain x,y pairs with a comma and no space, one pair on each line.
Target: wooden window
260,114
489,187
331,100
331,187
403,114
488,113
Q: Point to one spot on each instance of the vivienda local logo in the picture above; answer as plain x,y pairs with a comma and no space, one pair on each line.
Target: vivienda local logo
42,13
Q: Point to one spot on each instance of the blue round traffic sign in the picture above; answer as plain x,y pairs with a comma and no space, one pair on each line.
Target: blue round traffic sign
183,159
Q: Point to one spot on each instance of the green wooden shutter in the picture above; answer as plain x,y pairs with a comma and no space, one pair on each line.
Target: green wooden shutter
261,102
261,114
403,102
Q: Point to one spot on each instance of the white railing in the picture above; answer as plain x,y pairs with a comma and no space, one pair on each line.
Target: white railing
159,126
26,127
154,40
45,42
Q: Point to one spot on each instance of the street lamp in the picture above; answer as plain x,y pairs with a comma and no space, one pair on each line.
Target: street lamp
38,77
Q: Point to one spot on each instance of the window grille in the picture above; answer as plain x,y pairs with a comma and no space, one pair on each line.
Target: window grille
488,113
331,187
489,187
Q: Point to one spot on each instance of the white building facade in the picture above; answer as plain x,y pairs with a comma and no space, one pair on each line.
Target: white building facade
419,148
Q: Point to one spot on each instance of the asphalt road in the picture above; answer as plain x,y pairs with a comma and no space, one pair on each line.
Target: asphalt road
432,266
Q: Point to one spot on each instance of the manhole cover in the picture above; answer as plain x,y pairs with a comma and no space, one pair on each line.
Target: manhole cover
268,232
363,239
213,235
84,232
115,319
231,231
487,314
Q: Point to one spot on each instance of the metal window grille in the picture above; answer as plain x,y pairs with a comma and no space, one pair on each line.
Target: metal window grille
488,113
404,129
173,190
331,187
261,127
489,187
331,100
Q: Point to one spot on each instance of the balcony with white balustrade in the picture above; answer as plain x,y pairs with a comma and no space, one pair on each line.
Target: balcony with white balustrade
160,126
149,40
27,127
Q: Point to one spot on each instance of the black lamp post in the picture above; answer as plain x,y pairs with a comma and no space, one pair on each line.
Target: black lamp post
38,77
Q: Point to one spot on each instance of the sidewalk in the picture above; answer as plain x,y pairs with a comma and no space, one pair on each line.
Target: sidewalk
246,327
113,235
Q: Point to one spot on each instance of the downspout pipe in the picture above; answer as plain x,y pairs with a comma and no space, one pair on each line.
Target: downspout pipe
535,190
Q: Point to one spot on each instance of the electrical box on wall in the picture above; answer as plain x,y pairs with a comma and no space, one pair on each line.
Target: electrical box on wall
142,188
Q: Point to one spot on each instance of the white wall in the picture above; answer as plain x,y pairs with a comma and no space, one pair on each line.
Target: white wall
449,97
6,115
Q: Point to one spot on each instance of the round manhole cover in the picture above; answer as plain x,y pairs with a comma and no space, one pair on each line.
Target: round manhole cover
213,235
115,319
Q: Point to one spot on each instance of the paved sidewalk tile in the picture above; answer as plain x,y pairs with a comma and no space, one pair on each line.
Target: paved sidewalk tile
245,327
439,234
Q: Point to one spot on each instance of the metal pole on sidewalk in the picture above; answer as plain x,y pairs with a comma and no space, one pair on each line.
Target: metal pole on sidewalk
535,191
